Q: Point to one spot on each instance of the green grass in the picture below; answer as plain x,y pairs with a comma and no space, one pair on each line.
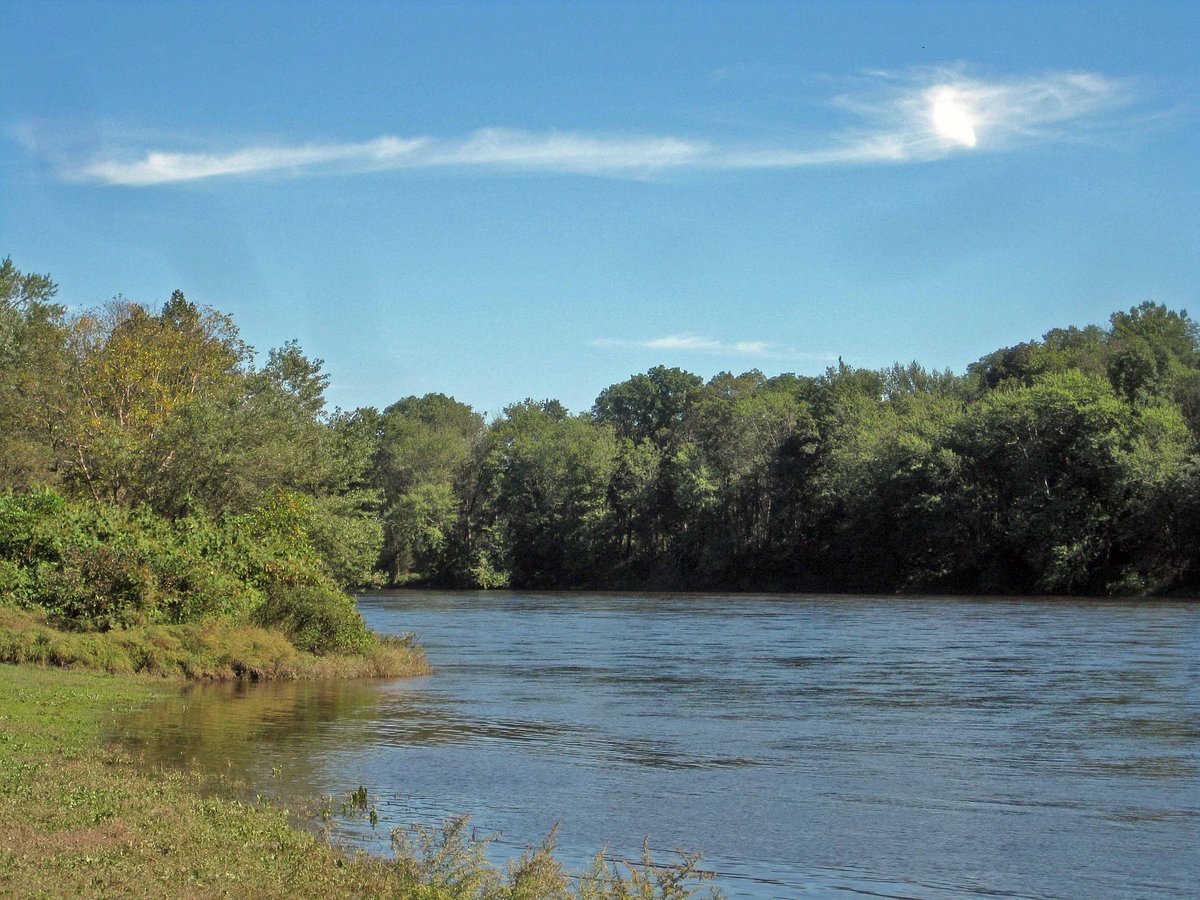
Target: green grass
78,818
82,818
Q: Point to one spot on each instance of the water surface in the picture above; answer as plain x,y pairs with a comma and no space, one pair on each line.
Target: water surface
810,746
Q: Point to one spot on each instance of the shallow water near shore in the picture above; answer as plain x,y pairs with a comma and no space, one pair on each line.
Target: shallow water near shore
810,746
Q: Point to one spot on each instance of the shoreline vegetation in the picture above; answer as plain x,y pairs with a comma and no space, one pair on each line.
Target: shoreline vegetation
206,652
92,586
156,470
174,505
81,817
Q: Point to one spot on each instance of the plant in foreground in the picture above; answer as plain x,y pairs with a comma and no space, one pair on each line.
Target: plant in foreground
449,861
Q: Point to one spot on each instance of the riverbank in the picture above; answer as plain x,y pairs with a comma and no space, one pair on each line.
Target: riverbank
199,652
81,817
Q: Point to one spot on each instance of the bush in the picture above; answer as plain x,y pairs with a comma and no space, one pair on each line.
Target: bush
22,534
94,567
99,587
317,619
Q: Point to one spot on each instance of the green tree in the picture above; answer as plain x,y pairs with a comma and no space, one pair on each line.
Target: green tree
1151,349
547,474
424,466
1041,484
36,408
650,406
135,374
742,427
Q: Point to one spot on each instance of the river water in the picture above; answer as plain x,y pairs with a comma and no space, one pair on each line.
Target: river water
810,746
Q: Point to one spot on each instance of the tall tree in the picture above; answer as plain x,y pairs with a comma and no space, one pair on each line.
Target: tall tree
135,374
423,466
36,407
650,406
547,474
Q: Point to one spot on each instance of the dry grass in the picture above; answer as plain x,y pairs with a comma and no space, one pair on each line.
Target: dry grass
200,652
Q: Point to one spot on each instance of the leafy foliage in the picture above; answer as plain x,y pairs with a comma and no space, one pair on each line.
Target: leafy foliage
1065,464
316,619
99,567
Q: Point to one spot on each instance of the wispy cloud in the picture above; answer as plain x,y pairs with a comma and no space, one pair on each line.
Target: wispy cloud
892,118
158,167
692,343
496,148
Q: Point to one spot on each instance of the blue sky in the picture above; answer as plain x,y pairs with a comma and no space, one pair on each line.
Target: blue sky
501,201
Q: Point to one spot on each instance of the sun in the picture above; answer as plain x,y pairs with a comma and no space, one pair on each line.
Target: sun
952,118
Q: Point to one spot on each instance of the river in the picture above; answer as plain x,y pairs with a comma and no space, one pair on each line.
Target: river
810,746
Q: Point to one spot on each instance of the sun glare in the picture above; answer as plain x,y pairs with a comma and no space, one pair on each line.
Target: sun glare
952,118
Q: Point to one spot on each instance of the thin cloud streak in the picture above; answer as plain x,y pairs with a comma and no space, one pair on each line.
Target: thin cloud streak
162,168
497,148
901,118
691,343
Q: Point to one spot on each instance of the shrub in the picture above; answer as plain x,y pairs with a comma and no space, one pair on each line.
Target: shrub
99,587
23,535
317,618
97,567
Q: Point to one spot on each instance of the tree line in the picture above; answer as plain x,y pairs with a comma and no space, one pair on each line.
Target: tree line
1067,464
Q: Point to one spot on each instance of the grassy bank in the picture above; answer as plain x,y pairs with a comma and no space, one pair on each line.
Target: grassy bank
82,818
213,651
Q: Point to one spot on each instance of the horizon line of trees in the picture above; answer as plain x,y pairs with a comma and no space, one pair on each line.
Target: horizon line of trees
1068,464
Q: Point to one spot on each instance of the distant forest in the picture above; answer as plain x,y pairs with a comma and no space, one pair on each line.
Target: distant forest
1066,465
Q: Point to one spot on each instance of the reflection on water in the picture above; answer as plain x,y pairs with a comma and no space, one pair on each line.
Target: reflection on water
809,746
